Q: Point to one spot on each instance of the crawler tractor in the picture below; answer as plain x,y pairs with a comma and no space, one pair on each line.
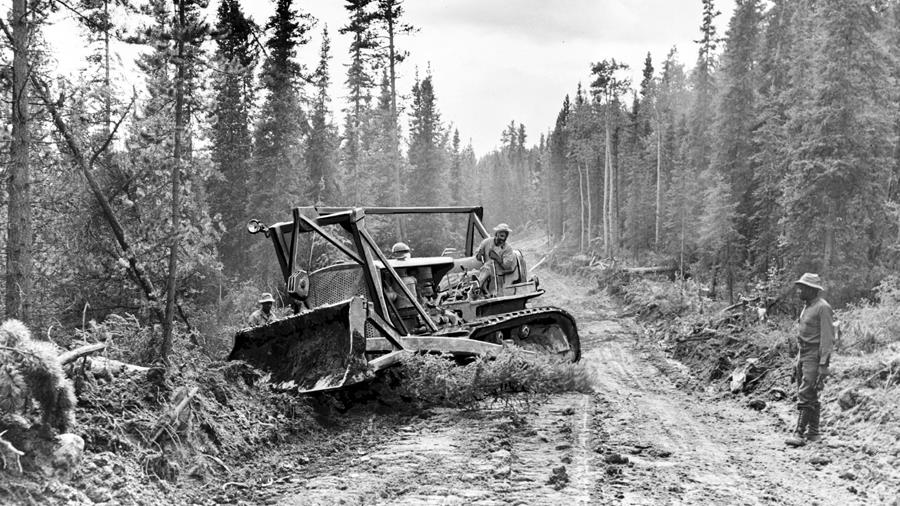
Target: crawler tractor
356,312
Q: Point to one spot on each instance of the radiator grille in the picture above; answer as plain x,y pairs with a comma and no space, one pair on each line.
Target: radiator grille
335,284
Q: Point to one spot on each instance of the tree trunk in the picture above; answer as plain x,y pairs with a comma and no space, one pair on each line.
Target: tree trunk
658,179
828,247
614,196
19,240
171,281
395,145
107,92
729,273
580,209
607,182
587,184
681,248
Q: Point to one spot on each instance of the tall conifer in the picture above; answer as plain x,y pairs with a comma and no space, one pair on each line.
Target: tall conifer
232,84
322,143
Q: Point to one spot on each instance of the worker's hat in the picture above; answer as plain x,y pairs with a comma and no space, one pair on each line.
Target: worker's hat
503,227
400,247
266,297
811,280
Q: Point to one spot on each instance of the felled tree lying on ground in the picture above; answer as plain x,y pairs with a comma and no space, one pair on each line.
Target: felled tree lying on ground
34,391
438,380
32,380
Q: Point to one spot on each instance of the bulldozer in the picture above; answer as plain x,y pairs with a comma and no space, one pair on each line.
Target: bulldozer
356,311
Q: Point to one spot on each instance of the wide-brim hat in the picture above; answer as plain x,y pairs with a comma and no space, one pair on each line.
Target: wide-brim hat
266,297
811,280
503,227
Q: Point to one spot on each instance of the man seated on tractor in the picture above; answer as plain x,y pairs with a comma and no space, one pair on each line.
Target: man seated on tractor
497,259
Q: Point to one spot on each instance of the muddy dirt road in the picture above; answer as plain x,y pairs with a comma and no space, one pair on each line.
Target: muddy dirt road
636,440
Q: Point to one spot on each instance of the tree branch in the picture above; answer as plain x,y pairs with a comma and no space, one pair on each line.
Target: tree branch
112,133
73,355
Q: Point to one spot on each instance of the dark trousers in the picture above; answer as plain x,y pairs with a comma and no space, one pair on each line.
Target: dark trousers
808,384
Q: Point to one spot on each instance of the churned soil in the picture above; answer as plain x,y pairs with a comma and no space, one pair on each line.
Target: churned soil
636,439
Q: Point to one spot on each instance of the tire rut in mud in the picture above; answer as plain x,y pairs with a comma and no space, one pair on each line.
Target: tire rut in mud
662,445
542,455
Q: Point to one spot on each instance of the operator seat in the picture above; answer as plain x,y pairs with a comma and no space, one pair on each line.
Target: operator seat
518,275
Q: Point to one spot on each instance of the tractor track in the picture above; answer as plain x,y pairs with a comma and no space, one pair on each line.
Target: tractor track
636,440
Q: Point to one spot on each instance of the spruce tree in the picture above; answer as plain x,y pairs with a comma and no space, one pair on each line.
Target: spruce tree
232,84
557,168
836,186
428,174
321,145
704,89
278,176
607,87
359,84
389,17
732,152
456,175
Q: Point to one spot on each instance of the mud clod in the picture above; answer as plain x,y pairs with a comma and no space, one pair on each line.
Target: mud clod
757,404
616,459
847,475
559,478
820,460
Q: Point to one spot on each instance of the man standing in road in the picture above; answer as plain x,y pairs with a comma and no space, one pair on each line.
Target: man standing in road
816,340
263,315
497,257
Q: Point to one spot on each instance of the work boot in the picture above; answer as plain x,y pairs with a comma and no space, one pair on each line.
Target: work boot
812,432
798,438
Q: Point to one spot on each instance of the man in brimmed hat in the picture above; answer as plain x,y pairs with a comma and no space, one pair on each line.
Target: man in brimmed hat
816,340
497,257
264,314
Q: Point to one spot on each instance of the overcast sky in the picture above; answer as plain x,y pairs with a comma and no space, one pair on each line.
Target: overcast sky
494,61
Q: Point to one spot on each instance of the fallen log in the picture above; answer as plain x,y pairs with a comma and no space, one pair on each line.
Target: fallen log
73,355
111,367
659,269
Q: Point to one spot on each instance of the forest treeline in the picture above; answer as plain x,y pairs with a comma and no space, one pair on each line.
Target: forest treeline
775,155
127,193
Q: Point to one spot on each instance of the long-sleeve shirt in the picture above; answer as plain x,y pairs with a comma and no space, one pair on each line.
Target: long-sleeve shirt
259,318
817,329
505,252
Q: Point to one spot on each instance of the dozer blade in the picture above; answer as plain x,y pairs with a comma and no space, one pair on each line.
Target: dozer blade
323,349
